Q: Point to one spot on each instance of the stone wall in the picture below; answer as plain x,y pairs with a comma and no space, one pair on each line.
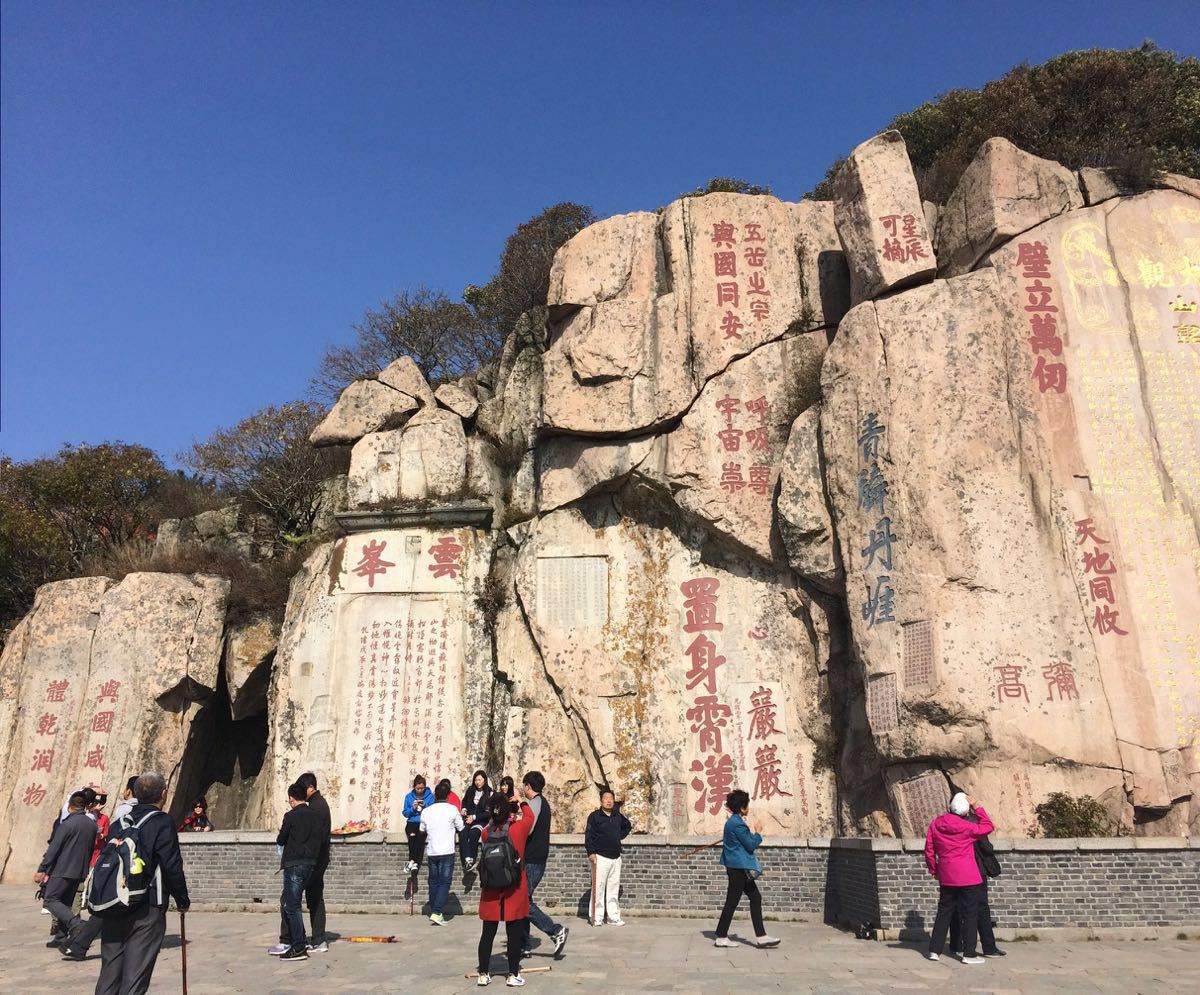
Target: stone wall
1090,883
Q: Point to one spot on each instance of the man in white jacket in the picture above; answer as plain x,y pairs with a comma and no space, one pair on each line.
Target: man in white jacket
440,821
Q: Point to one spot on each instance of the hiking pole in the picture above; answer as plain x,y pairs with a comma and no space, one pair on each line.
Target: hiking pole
707,846
183,945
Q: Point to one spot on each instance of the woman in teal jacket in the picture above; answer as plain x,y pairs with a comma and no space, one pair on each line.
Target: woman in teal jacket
737,857
414,802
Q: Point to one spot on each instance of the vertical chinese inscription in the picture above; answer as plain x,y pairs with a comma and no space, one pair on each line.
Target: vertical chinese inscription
1033,259
1099,569
879,608
923,799
709,715
902,241
572,592
745,450
883,705
741,283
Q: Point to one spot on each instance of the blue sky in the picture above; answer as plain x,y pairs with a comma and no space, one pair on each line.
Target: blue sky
199,198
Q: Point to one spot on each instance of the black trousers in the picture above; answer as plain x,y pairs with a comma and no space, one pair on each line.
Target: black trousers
314,898
87,934
987,936
961,904
515,932
416,841
60,895
741,883
128,949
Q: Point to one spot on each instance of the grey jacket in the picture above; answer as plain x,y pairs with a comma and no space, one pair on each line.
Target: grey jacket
69,854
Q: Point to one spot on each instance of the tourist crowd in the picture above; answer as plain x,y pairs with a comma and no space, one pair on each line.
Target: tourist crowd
130,867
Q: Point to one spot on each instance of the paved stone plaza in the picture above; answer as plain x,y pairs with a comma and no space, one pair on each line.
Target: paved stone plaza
226,953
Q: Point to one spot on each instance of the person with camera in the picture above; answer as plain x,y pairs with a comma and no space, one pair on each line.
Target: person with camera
605,829
414,804
950,857
503,883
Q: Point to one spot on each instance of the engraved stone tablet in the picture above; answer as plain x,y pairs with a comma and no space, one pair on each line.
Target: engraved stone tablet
918,654
572,591
883,706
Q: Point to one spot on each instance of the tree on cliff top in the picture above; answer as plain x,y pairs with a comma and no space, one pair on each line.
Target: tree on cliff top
266,459
443,337
57,511
522,279
1136,111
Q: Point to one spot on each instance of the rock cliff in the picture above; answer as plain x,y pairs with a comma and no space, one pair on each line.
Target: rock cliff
845,504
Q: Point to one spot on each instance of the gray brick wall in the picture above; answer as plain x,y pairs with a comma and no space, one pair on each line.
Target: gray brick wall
1046,883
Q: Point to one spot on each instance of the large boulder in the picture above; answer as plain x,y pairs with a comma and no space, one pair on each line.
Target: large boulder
1015,501
880,219
422,462
805,527
109,677
365,406
645,314
1003,192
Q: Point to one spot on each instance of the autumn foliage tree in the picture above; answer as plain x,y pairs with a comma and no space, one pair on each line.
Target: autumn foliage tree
266,459
1136,111
57,511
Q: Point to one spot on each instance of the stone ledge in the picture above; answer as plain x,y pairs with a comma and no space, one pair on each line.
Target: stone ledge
468,513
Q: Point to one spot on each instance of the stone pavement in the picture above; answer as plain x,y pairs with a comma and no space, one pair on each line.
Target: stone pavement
227,953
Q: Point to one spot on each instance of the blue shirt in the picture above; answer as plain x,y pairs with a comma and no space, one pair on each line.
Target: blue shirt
410,813
739,844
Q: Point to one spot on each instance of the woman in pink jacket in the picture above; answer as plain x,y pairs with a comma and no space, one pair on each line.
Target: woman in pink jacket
950,857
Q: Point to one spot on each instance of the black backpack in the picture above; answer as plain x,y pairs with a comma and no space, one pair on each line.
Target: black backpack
121,879
499,863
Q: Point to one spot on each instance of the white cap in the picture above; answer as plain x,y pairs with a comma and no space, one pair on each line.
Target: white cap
959,804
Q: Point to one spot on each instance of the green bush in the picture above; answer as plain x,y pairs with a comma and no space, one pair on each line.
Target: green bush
1136,111
1063,816
727,184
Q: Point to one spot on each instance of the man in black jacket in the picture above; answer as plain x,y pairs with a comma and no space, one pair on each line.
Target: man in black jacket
314,891
537,852
129,944
65,865
300,838
987,936
606,827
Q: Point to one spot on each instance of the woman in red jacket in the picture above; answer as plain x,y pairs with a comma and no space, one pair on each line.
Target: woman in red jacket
950,857
504,905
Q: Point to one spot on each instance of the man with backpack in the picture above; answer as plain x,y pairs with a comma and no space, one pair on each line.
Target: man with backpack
65,865
143,851
537,852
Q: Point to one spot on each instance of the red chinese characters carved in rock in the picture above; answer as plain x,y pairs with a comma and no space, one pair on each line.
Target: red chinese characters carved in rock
33,795
901,241
714,781
372,562
762,714
42,760
447,557
1099,568
700,605
95,758
57,690
767,771
708,717
109,690
1033,258
47,724
1009,683
102,722
1060,680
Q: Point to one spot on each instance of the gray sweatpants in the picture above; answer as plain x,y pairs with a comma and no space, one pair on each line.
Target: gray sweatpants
128,949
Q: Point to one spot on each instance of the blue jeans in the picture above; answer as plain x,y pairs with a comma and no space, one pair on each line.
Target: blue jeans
538,918
294,881
441,872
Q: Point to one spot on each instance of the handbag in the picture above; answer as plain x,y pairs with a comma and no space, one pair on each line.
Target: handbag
991,866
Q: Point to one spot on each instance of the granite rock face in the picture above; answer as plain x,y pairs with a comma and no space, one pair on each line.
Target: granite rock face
880,219
701,525
102,681
1002,193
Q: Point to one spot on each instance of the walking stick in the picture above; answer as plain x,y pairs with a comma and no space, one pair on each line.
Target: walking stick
183,946
707,846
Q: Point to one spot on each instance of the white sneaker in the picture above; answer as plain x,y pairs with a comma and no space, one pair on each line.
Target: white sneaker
437,919
722,941
470,864
320,948
616,922
973,960
930,955
484,980
767,941
279,949
515,981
